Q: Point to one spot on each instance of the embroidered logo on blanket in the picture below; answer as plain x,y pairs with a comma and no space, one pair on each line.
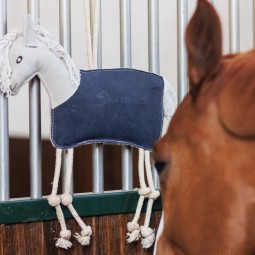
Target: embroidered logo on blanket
104,98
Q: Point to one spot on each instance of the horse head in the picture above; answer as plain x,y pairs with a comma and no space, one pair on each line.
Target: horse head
23,56
32,50
205,160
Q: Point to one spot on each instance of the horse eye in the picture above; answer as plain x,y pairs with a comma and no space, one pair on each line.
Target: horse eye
161,165
19,59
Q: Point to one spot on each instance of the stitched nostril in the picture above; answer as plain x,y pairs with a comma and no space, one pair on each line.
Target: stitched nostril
160,166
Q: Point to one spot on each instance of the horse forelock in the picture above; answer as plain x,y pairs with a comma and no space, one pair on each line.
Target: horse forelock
5,69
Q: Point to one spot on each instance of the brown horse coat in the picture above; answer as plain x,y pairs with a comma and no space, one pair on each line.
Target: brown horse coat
206,160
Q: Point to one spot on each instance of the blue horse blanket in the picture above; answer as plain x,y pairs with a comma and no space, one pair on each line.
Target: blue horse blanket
116,106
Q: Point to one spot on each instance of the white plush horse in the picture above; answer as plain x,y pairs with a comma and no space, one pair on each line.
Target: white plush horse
32,51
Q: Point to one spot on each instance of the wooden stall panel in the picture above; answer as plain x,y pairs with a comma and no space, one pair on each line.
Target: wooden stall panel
38,238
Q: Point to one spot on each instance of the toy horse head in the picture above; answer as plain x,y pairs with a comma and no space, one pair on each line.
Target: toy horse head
206,159
30,51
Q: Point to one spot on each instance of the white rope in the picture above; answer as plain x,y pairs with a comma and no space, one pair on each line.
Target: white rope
88,33
133,226
148,234
96,18
67,199
92,40
54,201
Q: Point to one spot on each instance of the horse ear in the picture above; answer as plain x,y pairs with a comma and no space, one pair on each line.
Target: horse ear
29,32
204,42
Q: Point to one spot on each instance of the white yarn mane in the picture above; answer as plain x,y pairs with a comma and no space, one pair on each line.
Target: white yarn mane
50,40
5,68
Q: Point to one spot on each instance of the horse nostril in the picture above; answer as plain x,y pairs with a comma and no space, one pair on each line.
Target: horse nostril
160,166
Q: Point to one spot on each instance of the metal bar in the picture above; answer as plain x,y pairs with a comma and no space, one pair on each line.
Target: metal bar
65,41
4,122
153,43
234,26
97,149
125,61
98,167
65,24
253,15
125,33
182,16
35,122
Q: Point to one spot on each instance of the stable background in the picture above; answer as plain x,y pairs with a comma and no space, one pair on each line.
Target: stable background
49,18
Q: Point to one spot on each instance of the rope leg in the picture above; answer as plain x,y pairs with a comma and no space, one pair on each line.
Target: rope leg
67,199
133,226
54,201
148,234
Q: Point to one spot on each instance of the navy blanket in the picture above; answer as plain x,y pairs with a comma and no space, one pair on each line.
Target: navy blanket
116,106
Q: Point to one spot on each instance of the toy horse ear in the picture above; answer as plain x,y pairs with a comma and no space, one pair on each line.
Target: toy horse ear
204,42
29,32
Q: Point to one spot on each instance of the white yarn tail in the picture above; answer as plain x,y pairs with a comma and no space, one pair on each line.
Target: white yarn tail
169,99
169,105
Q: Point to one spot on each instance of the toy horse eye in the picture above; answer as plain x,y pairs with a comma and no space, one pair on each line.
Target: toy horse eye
19,59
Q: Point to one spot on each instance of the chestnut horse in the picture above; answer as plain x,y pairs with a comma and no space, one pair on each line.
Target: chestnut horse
206,160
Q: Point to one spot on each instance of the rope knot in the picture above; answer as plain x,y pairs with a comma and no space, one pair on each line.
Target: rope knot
144,192
84,238
66,199
87,231
146,231
133,236
63,241
154,195
131,226
148,235
54,200
66,234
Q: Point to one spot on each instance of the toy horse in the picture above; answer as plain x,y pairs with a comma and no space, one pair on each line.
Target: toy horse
118,106
206,159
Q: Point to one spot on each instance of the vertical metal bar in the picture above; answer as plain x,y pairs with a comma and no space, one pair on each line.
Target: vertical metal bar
97,149
65,24
35,122
4,122
234,26
253,15
98,167
153,27
65,41
125,61
153,41
182,16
